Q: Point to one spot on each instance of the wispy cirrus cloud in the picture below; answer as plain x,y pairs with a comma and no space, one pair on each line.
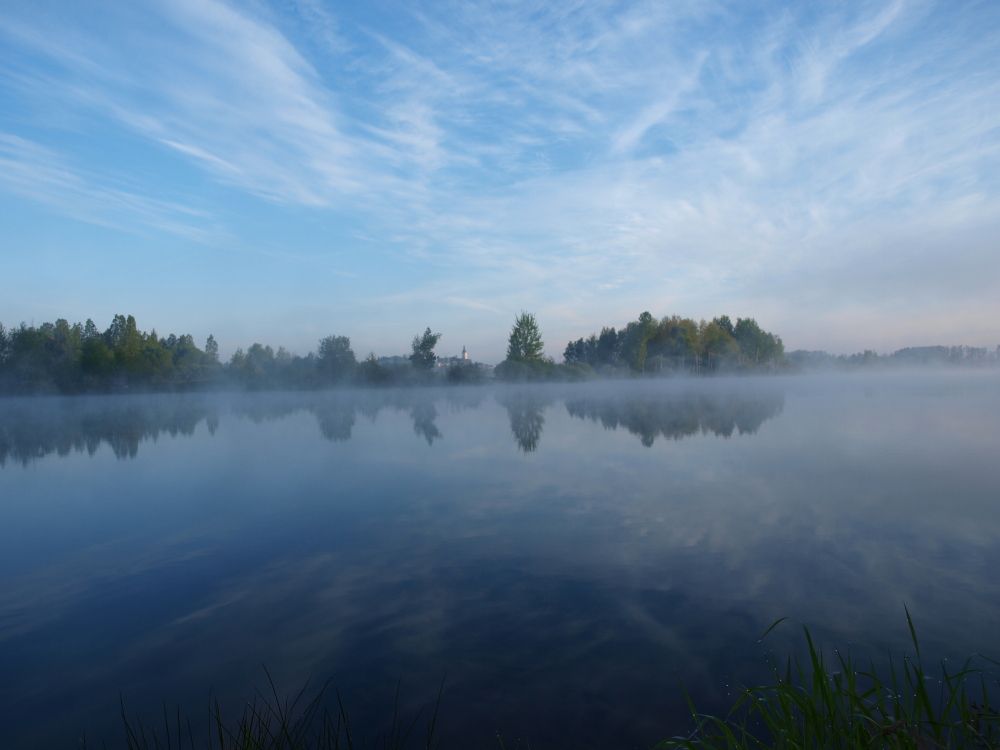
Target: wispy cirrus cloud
579,153
36,172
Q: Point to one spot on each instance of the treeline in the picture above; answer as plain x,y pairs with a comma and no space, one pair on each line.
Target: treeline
674,345
334,363
645,346
911,356
63,358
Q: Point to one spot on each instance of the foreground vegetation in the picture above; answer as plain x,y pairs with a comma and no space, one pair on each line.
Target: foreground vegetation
270,723
842,705
819,704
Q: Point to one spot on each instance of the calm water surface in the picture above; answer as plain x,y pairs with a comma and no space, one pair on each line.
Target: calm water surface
563,557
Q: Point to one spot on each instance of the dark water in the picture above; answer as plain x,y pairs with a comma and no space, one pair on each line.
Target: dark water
563,557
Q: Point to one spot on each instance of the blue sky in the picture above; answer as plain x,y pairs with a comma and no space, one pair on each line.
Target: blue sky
280,171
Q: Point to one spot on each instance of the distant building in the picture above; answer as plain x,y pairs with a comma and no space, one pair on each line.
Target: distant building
461,359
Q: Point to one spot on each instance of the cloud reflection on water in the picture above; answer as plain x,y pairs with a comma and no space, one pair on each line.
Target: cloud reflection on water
563,574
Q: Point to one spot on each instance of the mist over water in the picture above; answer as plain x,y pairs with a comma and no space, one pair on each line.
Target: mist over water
564,555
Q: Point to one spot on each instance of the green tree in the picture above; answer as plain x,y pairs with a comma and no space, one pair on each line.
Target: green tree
124,339
154,362
211,352
524,353
608,350
90,331
371,371
675,343
185,359
97,360
4,345
724,323
259,359
757,347
581,351
634,341
464,373
715,345
335,357
238,360
525,343
423,357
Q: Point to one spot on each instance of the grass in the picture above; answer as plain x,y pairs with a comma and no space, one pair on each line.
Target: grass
270,723
807,706
813,707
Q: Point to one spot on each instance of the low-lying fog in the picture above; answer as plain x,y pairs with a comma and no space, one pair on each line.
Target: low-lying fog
565,555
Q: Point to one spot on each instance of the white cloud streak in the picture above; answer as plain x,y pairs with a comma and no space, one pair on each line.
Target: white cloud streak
33,171
581,152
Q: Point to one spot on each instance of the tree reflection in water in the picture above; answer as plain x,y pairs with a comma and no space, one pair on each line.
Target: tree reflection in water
682,415
424,414
336,420
31,428
527,417
34,427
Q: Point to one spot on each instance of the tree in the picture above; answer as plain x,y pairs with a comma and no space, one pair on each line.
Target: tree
464,373
124,339
757,347
608,347
577,352
633,341
423,357
724,323
335,357
259,358
4,345
715,345
211,351
585,351
525,342
675,341
524,353
370,371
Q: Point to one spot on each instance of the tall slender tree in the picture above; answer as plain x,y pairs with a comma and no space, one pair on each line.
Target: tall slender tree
525,343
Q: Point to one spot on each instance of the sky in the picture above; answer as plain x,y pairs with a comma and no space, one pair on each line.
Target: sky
282,171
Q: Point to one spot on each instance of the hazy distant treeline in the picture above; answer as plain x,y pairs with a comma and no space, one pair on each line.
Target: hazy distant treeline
911,356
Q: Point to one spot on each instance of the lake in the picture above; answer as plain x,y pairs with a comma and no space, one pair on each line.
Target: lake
562,557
